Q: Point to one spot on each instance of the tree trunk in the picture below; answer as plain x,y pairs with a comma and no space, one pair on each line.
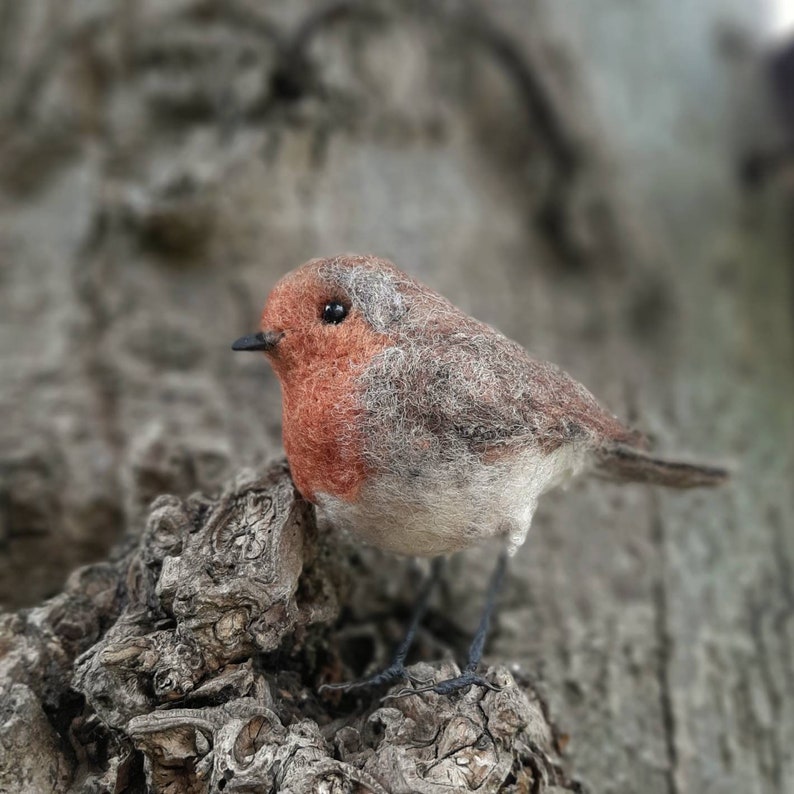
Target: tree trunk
563,172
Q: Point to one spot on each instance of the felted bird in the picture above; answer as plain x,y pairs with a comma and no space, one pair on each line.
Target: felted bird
423,431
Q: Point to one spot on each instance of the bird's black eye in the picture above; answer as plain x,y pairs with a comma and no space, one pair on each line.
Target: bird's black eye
334,312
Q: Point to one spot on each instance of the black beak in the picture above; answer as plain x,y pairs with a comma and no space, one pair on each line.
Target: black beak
266,340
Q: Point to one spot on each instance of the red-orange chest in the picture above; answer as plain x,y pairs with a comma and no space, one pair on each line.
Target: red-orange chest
320,428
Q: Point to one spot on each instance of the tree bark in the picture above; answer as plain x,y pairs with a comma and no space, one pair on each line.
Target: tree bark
193,662
561,170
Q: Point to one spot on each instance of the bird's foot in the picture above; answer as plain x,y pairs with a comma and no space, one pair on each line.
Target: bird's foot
465,680
393,672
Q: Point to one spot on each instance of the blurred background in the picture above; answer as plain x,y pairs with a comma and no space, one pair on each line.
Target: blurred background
611,184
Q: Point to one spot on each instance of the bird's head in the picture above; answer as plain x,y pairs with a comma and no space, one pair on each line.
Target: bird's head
329,314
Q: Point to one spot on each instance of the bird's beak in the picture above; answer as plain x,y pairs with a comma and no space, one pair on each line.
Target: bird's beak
265,340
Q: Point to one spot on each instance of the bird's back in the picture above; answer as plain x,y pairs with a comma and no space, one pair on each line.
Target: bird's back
453,393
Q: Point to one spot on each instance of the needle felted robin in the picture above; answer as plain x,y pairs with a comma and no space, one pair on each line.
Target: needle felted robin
423,431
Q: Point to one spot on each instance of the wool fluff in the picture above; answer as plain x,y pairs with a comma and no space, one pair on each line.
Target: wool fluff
420,429
463,430
434,516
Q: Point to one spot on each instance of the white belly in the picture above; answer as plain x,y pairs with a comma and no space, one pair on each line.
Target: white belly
437,515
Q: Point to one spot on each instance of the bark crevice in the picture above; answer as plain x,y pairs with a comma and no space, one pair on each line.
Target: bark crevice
665,651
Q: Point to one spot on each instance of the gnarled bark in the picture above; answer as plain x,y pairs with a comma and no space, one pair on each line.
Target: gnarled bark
191,664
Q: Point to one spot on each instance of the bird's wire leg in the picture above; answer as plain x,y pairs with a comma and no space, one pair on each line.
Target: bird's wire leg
469,676
396,669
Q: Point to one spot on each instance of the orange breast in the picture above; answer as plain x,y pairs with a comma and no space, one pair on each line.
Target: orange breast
321,438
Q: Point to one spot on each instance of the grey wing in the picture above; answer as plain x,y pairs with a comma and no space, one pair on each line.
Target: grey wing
470,395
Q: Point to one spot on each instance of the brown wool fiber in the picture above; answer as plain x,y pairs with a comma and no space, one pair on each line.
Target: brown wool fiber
422,430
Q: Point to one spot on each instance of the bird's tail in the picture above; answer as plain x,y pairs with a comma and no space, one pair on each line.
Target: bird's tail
628,464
